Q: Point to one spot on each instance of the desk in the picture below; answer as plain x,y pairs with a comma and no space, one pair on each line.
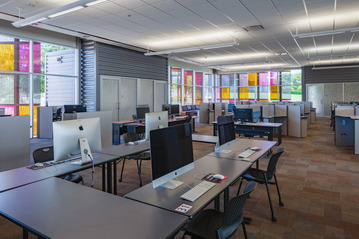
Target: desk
46,209
204,138
170,199
120,151
260,128
116,130
239,145
22,176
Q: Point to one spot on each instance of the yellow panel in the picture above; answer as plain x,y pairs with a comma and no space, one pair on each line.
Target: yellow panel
225,93
198,102
252,79
7,57
274,92
243,93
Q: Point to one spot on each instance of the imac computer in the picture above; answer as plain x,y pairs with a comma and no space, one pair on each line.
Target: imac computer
67,135
74,108
166,107
141,112
175,110
243,115
155,120
171,155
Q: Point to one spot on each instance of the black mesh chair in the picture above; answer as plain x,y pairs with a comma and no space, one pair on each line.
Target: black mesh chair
226,130
263,177
214,224
138,157
45,154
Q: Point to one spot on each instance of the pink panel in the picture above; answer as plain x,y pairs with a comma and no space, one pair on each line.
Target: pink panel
273,78
37,58
263,78
9,109
24,57
199,79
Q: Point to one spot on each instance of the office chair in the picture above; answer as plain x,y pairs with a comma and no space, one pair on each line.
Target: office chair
45,154
226,130
138,157
57,116
263,177
214,224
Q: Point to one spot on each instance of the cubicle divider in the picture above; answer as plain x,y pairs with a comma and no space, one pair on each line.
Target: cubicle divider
208,112
15,142
295,125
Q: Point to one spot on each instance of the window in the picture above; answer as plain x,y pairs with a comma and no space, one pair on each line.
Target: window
199,88
188,87
23,87
176,85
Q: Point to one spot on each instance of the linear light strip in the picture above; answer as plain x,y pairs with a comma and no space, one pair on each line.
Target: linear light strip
334,67
56,12
156,53
325,33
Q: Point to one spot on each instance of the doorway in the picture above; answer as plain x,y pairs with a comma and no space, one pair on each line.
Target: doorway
315,93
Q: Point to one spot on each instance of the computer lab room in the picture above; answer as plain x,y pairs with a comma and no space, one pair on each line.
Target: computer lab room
179,119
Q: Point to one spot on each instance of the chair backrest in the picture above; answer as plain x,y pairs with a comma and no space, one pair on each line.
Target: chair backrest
256,116
272,164
188,119
226,130
43,154
233,214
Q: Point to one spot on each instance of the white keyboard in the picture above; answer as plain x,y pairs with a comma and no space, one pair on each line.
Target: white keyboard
246,154
197,191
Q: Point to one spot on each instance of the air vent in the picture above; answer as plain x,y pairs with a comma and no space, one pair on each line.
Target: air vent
254,28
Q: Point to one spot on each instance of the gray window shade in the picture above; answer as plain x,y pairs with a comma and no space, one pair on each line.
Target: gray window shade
116,61
60,90
337,75
88,75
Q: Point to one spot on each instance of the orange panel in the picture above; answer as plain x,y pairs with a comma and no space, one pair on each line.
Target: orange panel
274,92
225,93
252,79
243,93
24,110
7,57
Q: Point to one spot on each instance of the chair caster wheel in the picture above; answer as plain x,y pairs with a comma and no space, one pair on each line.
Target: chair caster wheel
281,204
274,219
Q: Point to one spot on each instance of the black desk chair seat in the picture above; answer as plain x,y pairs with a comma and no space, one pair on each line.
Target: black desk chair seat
263,177
218,225
138,157
45,154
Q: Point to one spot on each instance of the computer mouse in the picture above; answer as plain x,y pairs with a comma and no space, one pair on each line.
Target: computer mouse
39,164
218,176
254,148
131,143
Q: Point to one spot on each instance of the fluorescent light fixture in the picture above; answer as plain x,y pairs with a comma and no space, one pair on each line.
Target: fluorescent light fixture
334,67
66,11
223,58
197,48
95,2
255,66
325,33
240,63
56,12
335,61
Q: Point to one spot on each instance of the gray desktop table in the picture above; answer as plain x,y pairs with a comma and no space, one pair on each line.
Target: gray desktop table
56,208
121,151
204,138
231,149
22,176
253,129
170,199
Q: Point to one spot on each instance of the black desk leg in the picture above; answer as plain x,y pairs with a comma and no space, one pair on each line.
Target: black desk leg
25,233
194,125
109,177
114,177
103,177
217,203
214,129
270,135
279,135
226,198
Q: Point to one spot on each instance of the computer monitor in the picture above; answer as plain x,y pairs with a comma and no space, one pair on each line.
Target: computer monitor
171,154
66,136
243,115
175,110
166,107
74,108
141,112
155,120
